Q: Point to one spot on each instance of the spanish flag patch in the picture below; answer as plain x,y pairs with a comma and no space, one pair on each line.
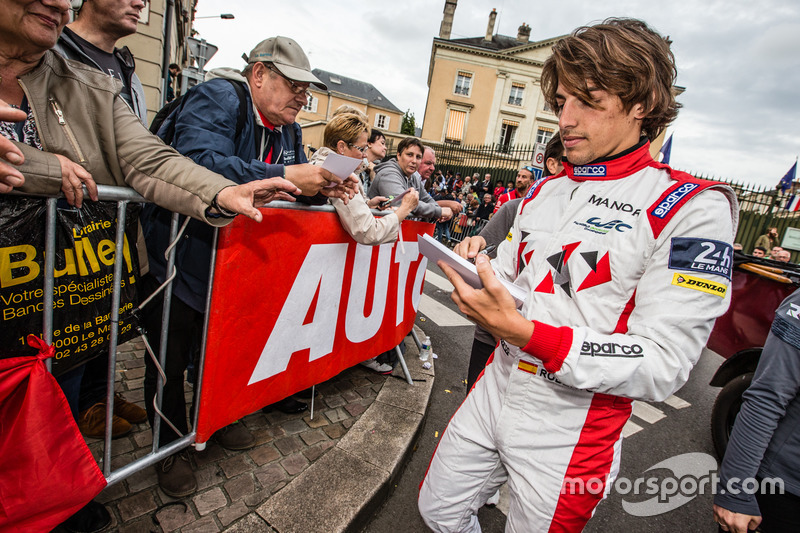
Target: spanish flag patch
528,367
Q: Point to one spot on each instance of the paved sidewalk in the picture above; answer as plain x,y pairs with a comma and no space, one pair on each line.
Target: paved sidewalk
325,474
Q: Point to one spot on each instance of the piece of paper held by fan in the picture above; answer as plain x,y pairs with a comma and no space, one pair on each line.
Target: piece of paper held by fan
395,201
436,251
340,166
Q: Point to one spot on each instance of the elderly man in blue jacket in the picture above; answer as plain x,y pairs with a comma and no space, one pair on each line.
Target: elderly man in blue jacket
241,125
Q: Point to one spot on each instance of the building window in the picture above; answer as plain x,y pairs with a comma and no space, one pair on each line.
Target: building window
455,126
543,135
381,121
463,83
311,106
508,131
515,96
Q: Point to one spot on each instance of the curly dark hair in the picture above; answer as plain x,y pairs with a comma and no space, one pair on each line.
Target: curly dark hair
623,57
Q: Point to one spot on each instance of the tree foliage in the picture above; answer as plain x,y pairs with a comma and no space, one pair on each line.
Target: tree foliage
409,124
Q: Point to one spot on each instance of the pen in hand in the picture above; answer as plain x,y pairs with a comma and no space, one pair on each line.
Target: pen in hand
486,251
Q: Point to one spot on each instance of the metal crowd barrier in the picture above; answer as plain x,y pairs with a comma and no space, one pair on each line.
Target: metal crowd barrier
124,196
458,228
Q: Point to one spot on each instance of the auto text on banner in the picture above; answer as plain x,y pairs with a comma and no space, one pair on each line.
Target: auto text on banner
296,301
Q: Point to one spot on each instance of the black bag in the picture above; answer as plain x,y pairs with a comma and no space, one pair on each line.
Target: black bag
176,104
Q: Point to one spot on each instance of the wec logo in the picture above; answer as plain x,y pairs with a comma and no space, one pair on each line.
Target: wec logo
618,225
595,225
590,171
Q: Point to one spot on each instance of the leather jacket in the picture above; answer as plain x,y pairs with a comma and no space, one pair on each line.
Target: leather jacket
80,115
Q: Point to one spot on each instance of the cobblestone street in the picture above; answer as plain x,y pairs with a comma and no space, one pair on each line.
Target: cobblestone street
230,484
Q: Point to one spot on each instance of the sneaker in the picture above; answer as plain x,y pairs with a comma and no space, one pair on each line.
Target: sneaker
375,366
288,406
91,518
128,411
92,423
493,500
235,437
175,475
306,393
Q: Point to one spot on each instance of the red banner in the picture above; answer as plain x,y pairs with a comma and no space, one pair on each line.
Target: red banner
296,301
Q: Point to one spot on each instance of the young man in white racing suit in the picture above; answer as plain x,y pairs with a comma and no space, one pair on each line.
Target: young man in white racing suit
626,264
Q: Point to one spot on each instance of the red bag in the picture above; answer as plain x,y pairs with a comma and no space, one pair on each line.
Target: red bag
47,472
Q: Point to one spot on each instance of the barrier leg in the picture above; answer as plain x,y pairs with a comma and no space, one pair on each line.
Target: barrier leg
416,339
313,393
403,365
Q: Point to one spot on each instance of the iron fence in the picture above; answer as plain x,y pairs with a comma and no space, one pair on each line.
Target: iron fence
761,208
502,162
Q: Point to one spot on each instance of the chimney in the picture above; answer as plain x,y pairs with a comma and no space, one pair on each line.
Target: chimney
447,19
524,33
490,27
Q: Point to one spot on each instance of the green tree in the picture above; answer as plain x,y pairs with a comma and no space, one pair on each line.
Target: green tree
409,124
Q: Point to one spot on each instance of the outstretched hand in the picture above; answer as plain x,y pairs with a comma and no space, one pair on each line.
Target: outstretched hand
244,199
492,307
470,247
73,178
342,189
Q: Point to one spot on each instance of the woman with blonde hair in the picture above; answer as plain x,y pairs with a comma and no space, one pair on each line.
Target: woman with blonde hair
346,134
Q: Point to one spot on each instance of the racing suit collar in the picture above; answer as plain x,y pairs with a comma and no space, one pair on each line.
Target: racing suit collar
609,168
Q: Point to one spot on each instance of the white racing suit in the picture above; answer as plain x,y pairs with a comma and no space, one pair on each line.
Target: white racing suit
627,263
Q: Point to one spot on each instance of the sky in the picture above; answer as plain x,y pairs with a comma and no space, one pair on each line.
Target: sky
738,60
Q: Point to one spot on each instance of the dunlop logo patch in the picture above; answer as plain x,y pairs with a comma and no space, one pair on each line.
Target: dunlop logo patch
700,284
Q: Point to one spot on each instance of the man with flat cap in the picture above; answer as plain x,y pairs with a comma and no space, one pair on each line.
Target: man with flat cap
240,124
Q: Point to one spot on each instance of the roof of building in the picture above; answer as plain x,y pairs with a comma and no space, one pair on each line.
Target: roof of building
356,88
498,42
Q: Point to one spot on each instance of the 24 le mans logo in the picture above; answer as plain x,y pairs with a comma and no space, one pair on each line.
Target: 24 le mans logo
699,284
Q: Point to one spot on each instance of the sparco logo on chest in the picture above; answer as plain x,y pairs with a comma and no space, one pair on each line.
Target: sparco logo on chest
590,171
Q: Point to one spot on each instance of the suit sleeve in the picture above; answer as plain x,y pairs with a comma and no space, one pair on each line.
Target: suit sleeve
500,224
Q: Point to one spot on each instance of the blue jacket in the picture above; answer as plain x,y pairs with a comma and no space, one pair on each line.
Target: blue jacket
765,441
205,131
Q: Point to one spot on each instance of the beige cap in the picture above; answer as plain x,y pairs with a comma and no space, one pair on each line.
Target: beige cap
287,56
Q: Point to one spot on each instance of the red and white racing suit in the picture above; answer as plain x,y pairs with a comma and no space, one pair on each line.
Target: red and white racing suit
627,264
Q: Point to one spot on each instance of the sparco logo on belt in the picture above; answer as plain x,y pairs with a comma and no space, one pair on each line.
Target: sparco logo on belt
611,349
590,171
666,205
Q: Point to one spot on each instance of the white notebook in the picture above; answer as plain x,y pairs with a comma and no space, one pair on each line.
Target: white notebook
436,251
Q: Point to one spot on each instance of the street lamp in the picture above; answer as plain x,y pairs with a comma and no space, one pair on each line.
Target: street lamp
226,16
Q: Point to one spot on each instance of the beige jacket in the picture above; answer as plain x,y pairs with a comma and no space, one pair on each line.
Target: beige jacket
80,115
357,218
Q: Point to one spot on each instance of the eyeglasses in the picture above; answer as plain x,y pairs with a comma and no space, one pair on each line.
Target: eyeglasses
295,88
362,149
